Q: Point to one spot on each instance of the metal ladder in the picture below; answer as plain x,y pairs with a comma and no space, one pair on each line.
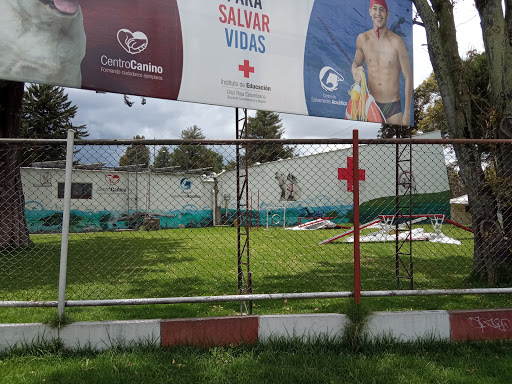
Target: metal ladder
243,213
403,209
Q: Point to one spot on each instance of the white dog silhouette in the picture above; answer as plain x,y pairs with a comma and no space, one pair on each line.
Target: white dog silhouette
42,41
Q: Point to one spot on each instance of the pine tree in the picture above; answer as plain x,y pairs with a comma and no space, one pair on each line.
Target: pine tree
163,158
266,125
195,156
46,113
136,154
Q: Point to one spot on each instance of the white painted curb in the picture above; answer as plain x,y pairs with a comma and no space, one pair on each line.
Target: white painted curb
101,335
410,326
305,327
22,335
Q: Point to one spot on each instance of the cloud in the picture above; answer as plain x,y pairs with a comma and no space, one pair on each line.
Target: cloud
107,117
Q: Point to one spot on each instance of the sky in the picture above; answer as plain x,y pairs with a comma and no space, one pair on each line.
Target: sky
107,117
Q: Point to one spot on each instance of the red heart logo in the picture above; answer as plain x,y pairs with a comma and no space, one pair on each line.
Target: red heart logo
112,179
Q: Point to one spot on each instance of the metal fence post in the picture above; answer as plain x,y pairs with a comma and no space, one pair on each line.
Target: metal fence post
357,250
65,224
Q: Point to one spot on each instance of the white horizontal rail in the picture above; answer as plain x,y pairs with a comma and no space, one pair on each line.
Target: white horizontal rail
256,297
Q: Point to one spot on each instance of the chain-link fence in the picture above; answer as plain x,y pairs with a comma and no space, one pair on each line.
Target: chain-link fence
166,222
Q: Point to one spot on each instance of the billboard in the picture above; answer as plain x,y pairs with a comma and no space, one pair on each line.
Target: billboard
330,58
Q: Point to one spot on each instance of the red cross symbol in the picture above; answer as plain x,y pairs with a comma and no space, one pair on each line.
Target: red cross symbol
348,174
246,68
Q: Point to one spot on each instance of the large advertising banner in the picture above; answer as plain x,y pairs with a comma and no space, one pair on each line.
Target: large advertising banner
332,58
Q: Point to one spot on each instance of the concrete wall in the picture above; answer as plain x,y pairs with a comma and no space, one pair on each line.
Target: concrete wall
306,185
180,200
315,177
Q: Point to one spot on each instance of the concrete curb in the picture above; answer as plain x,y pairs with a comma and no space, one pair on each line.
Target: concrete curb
410,326
481,325
222,331
14,335
305,327
210,331
101,335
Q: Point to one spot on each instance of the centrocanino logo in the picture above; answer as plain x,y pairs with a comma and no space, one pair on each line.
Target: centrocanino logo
132,42
112,179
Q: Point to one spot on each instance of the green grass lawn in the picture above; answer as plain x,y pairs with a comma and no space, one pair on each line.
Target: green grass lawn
271,362
203,261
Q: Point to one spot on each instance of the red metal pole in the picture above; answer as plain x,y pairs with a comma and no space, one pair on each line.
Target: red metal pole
357,250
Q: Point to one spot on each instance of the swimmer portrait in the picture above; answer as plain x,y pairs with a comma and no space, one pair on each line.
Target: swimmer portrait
386,56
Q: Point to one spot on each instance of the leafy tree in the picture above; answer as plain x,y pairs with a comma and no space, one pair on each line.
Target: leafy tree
476,69
462,123
163,158
136,154
46,113
429,112
189,156
266,125
230,165
387,131
428,105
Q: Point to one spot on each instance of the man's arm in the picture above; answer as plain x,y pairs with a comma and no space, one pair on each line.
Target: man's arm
357,64
405,66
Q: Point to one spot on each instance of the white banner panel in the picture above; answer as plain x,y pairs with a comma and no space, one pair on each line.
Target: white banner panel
252,57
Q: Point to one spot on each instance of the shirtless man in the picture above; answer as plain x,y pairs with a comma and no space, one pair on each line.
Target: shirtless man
386,55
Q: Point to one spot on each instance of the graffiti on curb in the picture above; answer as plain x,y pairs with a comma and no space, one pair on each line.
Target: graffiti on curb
502,325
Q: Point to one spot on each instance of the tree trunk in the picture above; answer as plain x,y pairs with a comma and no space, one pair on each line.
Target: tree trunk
438,20
497,37
13,225
504,172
